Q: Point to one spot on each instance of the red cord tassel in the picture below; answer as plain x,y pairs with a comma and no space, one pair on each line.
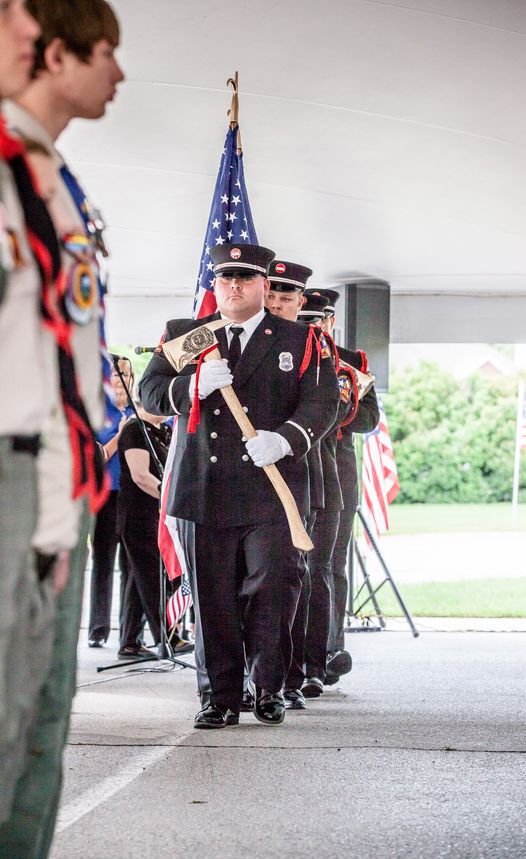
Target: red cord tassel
194,417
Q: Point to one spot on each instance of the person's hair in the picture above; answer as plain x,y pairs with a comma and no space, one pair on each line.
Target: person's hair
79,23
35,147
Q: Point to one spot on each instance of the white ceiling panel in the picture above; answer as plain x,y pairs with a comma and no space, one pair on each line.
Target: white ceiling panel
381,138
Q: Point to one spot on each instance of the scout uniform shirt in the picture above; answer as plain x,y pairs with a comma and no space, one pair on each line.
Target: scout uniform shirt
28,361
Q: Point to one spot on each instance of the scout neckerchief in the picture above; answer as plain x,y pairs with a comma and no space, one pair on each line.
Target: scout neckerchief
94,227
88,472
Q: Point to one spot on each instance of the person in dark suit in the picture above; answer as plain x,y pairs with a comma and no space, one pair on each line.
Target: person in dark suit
363,419
248,572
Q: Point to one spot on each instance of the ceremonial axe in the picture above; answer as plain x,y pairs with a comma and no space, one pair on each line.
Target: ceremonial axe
189,347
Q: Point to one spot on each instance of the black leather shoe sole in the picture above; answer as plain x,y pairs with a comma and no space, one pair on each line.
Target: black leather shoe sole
312,688
271,714
203,724
340,663
298,704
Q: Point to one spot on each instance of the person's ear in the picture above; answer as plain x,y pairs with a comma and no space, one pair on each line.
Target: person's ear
266,287
303,300
54,55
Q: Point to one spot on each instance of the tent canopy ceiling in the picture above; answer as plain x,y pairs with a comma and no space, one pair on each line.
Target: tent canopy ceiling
381,139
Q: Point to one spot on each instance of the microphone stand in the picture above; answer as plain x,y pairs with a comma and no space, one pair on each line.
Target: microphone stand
164,650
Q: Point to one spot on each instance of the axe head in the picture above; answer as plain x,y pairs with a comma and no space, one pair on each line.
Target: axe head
187,348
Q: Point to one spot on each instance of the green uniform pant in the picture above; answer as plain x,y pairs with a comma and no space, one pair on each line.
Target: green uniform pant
26,617
29,831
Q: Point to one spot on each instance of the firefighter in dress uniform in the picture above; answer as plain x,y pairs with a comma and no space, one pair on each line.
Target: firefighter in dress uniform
248,573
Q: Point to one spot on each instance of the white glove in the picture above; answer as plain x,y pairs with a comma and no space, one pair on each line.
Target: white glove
212,376
267,447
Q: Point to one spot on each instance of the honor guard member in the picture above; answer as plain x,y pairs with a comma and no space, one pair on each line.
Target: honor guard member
286,300
326,521
364,419
248,572
75,74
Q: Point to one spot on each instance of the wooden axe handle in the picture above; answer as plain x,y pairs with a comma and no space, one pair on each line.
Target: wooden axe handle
299,536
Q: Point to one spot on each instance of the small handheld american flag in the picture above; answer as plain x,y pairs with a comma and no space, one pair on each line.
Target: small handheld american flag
179,603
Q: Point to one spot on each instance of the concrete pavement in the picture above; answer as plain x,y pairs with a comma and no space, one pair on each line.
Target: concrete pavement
420,752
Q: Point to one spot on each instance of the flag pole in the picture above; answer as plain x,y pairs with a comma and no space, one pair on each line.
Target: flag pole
516,467
233,113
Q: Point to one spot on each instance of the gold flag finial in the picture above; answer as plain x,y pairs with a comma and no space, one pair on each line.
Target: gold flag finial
233,113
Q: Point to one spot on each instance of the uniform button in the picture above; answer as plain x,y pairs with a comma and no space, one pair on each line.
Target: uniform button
213,459
245,408
243,438
245,457
213,435
217,411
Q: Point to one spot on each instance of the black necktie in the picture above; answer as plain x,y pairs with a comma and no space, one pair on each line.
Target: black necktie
234,350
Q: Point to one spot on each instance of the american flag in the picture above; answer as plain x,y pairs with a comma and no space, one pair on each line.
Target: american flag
230,221
179,603
380,484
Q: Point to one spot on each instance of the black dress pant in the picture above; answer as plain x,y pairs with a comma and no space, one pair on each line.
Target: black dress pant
348,474
296,674
140,542
104,543
248,582
320,567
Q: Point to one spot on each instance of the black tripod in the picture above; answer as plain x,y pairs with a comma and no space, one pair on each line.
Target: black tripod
164,650
366,594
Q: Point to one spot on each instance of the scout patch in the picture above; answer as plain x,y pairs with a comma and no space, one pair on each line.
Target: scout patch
345,387
81,295
325,351
286,362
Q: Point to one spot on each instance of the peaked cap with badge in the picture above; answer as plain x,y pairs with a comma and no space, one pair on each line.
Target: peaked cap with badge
288,276
241,259
314,308
332,296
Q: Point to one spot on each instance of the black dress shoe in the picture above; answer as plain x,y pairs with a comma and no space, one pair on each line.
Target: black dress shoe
312,687
247,705
96,642
214,717
294,699
269,708
339,662
331,679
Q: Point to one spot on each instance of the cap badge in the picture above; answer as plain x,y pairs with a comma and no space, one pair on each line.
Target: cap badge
286,362
235,253
281,268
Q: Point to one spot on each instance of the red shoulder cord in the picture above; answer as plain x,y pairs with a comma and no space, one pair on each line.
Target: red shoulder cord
307,355
194,417
365,363
335,353
352,414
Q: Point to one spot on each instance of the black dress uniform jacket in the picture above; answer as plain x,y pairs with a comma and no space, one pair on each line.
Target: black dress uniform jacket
214,481
368,414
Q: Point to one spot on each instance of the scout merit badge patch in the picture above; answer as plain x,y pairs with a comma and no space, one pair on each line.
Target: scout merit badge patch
345,387
81,295
286,362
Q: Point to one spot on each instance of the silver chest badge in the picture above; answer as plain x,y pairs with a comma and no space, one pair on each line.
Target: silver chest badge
286,362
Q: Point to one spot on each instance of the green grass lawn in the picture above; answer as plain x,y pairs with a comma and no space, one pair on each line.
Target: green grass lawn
483,598
445,518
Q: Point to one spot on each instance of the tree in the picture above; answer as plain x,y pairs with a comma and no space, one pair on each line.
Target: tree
453,441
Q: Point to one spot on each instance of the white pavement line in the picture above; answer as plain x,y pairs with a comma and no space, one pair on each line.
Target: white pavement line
95,796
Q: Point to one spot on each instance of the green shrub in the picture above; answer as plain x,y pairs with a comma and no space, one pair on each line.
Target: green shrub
453,441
